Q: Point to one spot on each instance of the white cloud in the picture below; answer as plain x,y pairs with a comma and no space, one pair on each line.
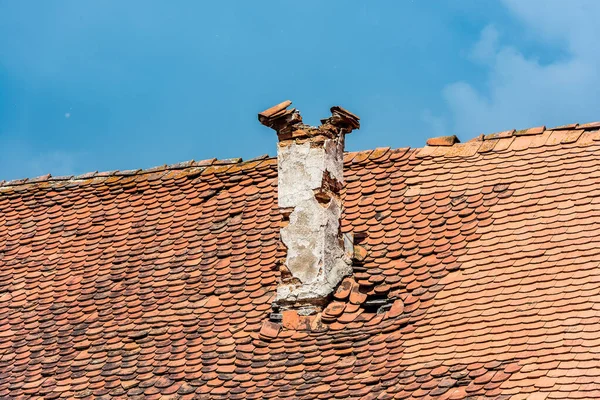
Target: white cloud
485,49
520,91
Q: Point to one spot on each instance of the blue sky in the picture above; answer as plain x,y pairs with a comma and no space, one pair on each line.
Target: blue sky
87,85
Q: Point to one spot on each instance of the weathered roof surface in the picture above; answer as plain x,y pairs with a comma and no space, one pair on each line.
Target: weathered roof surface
158,283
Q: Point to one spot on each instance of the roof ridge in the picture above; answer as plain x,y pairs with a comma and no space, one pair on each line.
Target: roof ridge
365,155
450,146
106,174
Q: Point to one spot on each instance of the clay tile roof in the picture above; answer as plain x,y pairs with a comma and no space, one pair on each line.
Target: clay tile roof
475,276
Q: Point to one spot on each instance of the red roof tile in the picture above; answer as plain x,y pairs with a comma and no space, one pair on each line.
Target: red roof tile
476,277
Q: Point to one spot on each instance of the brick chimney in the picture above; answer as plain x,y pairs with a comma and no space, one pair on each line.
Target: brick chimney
310,163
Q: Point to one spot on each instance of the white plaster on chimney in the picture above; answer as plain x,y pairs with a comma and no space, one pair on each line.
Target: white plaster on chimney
316,255
301,168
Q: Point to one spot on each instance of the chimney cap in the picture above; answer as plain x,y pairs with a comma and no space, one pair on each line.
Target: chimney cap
271,112
343,118
282,119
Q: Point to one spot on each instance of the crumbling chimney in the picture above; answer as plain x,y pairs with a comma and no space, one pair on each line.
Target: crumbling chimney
310,177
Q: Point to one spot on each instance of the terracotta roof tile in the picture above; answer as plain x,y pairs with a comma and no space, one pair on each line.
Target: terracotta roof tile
476,277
